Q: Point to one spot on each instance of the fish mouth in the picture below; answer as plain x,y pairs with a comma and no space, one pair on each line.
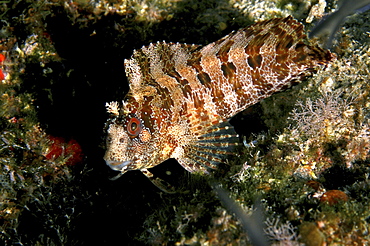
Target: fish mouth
118,165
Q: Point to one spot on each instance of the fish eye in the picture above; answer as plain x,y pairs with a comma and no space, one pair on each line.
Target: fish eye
134,127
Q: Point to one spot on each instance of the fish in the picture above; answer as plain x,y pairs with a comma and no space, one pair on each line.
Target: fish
182,96
327,27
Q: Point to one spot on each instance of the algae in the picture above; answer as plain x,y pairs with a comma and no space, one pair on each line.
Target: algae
64,61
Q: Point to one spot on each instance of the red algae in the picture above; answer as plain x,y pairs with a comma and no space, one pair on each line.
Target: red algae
2,58
60,147
332,197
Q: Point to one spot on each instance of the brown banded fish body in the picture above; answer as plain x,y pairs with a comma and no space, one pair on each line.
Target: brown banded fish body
182,96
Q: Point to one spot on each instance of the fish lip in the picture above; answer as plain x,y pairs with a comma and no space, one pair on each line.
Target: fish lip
118,165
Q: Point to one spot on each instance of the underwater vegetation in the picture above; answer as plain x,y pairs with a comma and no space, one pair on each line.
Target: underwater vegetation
306,161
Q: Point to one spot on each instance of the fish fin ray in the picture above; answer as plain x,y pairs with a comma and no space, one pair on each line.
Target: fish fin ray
210,149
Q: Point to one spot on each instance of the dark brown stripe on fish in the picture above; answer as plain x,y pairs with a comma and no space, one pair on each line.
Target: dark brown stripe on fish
223,53
254,61
228,69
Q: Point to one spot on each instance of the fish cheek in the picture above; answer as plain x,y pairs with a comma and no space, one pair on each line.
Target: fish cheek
117,144
145,136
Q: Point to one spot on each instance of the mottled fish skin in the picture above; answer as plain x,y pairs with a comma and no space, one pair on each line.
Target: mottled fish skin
182,96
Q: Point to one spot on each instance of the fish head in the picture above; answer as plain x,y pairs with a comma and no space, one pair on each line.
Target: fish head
132,142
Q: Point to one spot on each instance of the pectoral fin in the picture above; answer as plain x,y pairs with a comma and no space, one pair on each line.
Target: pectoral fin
210,149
